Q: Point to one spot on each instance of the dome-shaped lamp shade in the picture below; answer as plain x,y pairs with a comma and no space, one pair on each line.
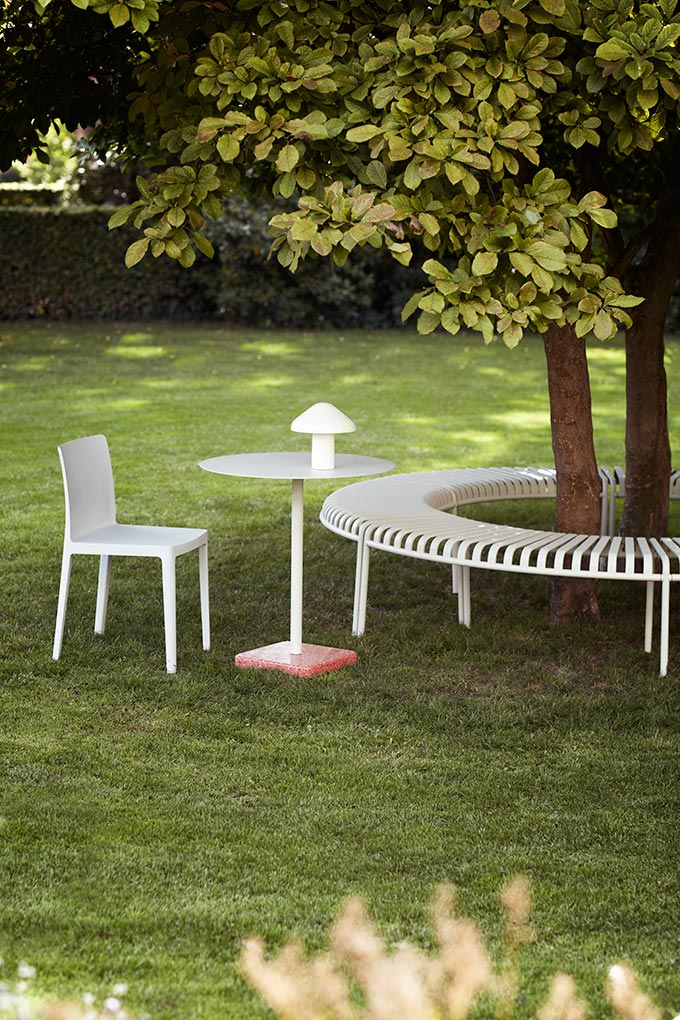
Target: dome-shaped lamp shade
324,421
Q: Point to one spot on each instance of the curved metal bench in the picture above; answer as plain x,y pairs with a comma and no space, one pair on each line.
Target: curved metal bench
416,515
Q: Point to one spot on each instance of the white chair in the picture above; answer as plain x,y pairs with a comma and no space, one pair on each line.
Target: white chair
92,530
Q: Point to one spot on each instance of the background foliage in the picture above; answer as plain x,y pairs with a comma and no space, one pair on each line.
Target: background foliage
64,263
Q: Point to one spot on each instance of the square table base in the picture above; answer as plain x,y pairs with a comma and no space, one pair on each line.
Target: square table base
314,658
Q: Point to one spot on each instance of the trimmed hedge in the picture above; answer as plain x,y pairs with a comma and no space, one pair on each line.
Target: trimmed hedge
22,193
64,263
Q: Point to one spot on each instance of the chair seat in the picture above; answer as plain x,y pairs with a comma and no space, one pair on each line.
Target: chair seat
139,540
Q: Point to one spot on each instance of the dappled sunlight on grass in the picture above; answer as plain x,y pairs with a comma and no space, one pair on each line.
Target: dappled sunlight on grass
137,337
140,351
39,363
272,349
125,403
265,382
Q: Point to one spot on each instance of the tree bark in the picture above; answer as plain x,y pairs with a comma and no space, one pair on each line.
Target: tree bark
578,482
648,455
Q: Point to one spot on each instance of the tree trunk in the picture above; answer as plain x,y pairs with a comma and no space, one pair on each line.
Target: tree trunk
648,455
578,482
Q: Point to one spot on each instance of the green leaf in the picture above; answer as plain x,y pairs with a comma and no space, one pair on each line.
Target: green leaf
489,21
321,244
203,245
512,335
187,257
484,262
450,320
287,185
433,302
427,322
430,222
411,305
136,252
362,133
284,30
120,216
522,262
556,7
140,22
287,159
176,216
547,255
303,229
592,200
579,238
506,95
376,173
228,148
435,270
611,50
604,217
412,175
305,177
605,327
624,301
119,15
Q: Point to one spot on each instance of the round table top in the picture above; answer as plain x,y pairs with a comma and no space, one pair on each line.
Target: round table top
293,465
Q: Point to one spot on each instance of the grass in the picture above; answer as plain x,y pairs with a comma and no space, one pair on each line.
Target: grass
152,822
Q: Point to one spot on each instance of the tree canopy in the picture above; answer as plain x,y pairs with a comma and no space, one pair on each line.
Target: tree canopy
498,133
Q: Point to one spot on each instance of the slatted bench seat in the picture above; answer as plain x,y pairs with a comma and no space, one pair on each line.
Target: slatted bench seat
416,515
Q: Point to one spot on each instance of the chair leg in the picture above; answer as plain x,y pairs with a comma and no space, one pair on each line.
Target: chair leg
61,606
205,596
170,613
102,594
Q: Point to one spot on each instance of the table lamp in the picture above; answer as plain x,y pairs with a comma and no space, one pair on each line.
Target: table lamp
324,421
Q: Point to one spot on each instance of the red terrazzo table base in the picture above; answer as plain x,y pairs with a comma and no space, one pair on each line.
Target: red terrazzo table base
313,660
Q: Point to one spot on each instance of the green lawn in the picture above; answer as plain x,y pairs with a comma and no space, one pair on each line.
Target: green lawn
151,822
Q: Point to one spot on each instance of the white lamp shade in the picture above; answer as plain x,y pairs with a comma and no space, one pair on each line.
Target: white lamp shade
323,419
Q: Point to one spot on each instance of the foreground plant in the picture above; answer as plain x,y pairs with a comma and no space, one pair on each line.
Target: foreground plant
18,1001
358,978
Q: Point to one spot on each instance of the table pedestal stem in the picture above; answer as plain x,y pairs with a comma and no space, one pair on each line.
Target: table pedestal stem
296,541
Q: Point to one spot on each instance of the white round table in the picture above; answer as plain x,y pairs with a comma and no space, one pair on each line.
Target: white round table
293,656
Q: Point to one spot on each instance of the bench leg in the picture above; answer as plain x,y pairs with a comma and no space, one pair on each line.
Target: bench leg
361,548
649,615
665,612
463,588
362,589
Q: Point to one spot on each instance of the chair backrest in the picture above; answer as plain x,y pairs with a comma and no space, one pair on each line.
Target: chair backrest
88,485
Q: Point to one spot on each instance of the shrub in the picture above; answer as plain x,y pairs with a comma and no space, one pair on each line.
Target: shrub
22,193
358,979
368,291
64,263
